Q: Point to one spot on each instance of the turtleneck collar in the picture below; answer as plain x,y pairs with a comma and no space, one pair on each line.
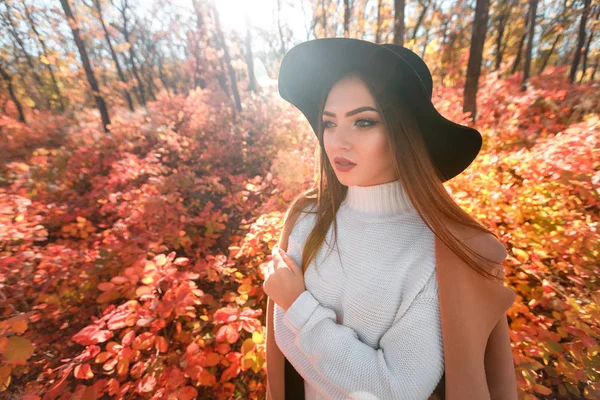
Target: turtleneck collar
381,200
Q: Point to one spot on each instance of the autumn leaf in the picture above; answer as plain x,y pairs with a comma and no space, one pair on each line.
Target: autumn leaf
18,350
161,344
83,371
146,385
92,334
143,341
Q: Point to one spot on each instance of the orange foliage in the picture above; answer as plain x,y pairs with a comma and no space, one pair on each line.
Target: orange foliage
131,264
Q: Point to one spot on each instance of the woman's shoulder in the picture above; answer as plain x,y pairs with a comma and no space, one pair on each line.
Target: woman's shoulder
479,241
296,216
300,211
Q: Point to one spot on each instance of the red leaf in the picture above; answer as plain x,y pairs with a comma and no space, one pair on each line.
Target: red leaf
92,334
225,314
83,371
143,341
161,344
128,338
146,385
104,286
228,333
187,393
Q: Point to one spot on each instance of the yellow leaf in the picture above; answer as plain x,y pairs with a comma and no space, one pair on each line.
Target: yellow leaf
160,260
257,337
19,326
258,363
521,255
18,349
247,346
249,361
5,383
245,288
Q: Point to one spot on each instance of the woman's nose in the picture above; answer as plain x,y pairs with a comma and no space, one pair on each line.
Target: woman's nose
341,139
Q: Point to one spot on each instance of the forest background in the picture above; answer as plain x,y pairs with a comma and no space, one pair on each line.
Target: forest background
146,160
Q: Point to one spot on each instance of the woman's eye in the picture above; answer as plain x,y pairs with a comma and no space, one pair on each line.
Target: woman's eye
368,121
362,123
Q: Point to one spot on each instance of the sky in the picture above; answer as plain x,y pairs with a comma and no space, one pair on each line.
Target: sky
262,13
232,13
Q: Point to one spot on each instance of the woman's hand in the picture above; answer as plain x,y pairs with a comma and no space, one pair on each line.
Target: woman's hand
284,280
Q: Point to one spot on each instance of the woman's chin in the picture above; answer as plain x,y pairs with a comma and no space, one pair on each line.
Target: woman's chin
344,180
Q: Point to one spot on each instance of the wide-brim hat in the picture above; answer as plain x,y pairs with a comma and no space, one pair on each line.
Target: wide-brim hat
311,67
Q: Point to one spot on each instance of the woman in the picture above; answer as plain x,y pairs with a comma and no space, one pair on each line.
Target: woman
412,304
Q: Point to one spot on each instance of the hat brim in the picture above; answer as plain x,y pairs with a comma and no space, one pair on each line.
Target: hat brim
309,69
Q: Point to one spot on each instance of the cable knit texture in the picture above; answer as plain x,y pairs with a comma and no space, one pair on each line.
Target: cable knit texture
368,324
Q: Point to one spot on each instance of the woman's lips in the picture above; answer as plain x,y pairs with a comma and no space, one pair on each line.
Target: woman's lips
344,167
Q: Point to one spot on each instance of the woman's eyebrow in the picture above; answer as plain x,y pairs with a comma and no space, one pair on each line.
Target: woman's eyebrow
355,111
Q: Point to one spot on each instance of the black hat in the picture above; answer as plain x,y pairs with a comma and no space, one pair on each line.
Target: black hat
312,66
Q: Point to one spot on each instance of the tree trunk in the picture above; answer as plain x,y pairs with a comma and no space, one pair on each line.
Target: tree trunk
426,42
231,71
580,41
527,68
549,53
420,20
501,26
585,56
147,73
399,22
59,96
134,70
113,54
443,46
198,37
587,47
28,57
378,27
475,57
252,86
11,91
521,42
89,73
347,13
162,76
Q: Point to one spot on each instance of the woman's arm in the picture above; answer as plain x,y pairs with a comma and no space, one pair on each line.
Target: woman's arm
407,364
498,357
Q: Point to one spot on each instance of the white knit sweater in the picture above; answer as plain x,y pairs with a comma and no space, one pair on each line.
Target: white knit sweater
368,324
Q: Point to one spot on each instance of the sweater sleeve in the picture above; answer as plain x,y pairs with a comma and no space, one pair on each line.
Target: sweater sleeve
407,364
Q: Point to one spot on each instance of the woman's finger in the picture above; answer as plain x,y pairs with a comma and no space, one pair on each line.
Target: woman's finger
270,268
276,259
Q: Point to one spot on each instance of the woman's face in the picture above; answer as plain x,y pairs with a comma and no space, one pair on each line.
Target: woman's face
361,136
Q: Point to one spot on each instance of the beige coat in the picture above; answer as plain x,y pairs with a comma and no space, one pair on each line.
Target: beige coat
478,362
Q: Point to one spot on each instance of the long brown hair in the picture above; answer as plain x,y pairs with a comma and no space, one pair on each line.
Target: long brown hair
416,171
